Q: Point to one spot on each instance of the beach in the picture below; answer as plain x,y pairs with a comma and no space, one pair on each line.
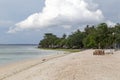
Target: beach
75,66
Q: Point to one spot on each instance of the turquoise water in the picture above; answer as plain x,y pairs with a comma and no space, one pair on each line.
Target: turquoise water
13,53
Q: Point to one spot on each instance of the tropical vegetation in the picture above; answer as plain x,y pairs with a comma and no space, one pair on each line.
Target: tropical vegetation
99,36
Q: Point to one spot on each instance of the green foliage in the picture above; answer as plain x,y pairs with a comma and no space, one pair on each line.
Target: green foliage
48,41
99,36
75,40
90,41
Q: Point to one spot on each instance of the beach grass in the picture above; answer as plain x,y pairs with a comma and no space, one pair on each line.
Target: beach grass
67,50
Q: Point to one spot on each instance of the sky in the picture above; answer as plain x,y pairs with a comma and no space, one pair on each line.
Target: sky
26,21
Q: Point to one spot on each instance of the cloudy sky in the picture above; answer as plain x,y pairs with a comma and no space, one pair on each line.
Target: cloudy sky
26,21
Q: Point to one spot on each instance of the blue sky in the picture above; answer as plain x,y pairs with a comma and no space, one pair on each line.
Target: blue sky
26,21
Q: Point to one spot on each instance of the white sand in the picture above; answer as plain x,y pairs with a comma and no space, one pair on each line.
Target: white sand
77,66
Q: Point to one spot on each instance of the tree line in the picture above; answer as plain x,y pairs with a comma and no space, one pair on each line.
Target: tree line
99,36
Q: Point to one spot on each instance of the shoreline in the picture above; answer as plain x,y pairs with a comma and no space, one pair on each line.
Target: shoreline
75,66
66,50
10,69
47,53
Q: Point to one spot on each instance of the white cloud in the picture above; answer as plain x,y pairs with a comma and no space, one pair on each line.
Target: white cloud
110,23
60,13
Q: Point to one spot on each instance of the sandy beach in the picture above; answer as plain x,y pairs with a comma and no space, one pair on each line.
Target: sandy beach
75,66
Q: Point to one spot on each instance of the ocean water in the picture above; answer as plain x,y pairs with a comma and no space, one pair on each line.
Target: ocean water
14,53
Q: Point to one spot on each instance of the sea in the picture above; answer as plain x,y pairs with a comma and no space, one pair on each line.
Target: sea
18,52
